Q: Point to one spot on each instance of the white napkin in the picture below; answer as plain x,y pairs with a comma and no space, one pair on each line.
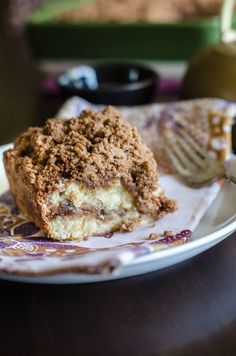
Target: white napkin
31,253
192,203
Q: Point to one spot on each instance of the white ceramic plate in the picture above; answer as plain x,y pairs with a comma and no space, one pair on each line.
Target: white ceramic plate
218,223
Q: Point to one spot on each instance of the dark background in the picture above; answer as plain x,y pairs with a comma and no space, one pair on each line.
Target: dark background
21,101
189,309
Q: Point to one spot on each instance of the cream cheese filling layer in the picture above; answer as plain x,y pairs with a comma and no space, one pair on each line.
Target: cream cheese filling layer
115,202
114,198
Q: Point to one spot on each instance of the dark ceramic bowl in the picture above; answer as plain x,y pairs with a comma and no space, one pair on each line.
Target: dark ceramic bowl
110,83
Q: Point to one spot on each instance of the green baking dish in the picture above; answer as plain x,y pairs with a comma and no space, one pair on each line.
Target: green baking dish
51,39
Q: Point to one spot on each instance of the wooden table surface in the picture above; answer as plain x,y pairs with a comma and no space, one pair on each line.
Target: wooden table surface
189,309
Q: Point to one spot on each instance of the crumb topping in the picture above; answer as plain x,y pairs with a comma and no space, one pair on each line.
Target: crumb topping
168,233
94,149
153,236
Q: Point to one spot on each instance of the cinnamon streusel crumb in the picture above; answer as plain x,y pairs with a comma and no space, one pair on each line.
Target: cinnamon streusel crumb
153,236
94,149
168,233
84,176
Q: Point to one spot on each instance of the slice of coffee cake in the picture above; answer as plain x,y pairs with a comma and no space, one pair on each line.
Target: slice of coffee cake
85,176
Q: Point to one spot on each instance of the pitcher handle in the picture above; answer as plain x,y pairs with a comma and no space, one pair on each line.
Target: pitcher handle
227,34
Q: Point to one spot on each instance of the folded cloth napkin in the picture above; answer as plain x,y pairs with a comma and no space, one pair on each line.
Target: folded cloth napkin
24,249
